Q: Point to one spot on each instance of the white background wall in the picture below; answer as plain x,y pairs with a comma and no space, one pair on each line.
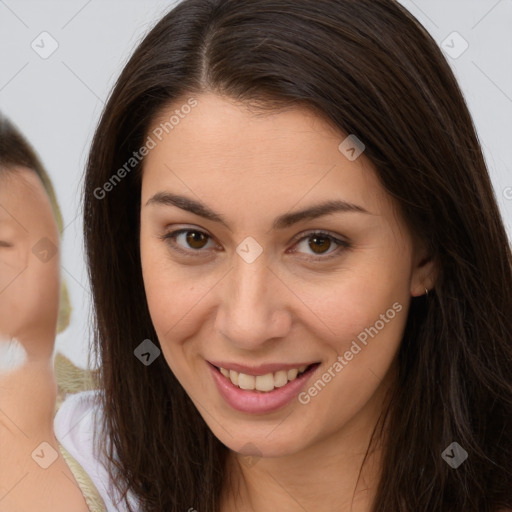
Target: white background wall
56,102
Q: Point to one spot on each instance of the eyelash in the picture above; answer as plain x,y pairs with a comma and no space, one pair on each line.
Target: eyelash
170,238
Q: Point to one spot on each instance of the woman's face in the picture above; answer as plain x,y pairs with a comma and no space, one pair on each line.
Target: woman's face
29,263
252,286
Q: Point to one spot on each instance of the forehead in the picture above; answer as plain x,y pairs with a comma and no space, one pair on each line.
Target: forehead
18,179
23,199
233,134
281,156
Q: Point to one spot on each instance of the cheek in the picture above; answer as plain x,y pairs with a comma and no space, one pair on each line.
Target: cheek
345,306
29,305
12,262
173,292
160,290
370,332
373,336
174,306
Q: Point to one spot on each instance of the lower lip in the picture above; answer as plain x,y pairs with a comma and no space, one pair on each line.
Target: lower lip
258,402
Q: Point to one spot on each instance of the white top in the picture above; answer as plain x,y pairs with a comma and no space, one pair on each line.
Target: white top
78,417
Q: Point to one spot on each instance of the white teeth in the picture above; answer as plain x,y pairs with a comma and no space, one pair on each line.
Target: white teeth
292,373
246,381
280,378
265,382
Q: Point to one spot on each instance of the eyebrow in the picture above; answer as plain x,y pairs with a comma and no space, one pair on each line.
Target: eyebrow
283,221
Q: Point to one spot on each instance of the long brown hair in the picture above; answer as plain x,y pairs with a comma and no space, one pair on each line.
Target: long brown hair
369,67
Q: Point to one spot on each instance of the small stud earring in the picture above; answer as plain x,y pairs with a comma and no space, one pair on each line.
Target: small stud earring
426,291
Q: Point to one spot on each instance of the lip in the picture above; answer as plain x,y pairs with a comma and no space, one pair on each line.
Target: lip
258,402
261,369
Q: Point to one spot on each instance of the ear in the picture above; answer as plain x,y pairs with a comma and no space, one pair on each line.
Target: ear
424,271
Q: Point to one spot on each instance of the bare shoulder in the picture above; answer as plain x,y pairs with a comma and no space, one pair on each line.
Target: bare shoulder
35,476
33,473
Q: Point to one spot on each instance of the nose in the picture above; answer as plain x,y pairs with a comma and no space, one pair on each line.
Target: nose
253,308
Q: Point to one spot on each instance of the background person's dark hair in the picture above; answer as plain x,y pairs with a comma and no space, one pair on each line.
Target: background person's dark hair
371,69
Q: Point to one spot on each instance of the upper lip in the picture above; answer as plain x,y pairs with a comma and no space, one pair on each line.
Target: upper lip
261,369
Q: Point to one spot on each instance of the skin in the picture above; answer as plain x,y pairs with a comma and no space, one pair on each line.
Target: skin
29,304
210,304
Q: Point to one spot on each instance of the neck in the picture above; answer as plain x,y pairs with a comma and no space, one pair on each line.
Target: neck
28,396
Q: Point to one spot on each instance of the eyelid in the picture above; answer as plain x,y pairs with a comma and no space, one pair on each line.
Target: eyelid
170,236
336,239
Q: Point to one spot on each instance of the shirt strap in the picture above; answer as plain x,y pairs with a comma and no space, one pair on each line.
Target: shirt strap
92,496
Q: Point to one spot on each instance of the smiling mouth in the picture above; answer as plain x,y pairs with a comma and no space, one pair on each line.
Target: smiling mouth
265,383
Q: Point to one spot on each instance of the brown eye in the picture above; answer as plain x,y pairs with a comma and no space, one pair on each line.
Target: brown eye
319,244
196,239
187,241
